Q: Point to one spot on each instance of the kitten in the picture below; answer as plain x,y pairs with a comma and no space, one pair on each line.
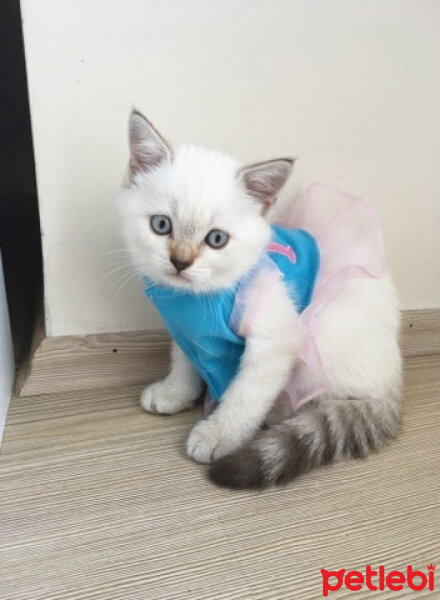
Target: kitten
196,222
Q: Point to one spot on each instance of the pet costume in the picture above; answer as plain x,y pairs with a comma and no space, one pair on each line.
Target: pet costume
329,238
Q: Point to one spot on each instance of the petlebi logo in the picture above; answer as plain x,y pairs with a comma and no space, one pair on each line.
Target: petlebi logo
378,580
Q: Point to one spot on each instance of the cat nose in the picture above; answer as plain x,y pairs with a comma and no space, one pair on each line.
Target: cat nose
180,265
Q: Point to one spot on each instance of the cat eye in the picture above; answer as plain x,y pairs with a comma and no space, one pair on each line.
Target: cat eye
161,224
217,239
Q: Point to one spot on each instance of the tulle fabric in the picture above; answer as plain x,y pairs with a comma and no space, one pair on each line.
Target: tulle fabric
351,246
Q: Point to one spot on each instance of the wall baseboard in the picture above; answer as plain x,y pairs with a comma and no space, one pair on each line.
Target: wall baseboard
66,363
420,332
108,360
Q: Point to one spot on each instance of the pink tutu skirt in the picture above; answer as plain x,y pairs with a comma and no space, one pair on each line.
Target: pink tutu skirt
351,246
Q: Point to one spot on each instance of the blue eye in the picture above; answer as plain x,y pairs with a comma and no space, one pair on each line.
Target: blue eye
217,239
161,224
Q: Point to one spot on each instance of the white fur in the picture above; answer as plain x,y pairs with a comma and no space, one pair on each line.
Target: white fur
357,337
177,391
201,190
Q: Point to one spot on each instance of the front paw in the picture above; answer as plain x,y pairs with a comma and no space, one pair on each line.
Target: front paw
209,441
161,398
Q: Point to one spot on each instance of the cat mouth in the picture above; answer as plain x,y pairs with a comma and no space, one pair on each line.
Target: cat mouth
179,276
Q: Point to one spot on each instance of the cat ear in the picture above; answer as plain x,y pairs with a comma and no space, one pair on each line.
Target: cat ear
147,148
264,180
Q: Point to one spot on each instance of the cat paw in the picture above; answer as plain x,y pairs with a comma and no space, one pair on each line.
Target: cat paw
161,398
208,441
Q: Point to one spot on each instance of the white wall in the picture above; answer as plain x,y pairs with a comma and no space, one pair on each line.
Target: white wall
351,87
7,366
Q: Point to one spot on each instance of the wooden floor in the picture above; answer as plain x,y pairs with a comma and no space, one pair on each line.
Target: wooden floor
98,501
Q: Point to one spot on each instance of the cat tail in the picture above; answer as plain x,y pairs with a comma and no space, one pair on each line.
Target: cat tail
321,432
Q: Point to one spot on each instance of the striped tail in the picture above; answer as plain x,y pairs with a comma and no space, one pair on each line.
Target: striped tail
323,431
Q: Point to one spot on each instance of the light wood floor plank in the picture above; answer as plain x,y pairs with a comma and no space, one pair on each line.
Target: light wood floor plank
99,502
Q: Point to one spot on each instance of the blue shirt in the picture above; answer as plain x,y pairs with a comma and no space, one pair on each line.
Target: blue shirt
200,323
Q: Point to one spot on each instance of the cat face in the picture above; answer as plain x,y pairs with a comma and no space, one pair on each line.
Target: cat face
193,218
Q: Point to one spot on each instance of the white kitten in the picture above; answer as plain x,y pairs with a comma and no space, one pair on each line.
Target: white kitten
193,193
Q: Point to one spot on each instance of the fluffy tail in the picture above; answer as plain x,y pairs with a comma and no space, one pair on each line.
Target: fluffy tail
322,431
